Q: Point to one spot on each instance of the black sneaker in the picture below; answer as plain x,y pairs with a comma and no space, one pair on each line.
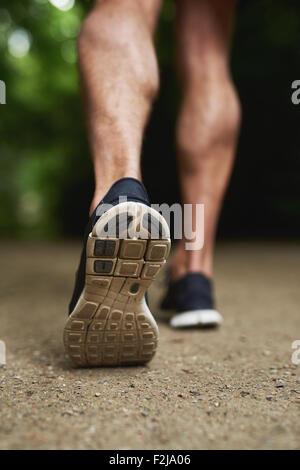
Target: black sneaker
126,242
192,298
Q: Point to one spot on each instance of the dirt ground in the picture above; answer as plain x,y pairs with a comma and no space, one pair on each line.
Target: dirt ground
232,388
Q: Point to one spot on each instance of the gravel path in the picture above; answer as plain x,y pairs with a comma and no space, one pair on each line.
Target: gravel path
235,387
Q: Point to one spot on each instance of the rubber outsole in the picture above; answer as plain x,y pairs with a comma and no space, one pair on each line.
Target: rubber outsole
111,324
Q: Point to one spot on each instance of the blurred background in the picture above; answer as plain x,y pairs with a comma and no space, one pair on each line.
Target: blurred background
46,173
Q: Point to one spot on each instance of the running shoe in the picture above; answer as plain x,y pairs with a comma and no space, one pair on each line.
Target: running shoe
126,243
192,299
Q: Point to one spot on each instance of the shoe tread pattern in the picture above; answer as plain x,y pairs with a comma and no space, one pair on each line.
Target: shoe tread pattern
110,326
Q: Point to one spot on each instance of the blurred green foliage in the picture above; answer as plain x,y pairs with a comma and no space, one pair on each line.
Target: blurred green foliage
46,174
42,136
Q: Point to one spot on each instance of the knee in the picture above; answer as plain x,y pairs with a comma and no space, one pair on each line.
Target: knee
118,31
211,115
104,27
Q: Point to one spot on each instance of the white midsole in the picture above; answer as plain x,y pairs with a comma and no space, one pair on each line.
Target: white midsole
196,318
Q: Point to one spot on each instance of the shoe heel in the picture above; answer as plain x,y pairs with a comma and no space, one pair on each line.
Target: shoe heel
111,324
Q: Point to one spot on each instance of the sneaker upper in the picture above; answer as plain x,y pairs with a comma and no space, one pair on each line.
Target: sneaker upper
194,291
130,188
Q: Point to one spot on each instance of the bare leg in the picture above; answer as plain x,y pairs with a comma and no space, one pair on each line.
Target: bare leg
209,120
119,76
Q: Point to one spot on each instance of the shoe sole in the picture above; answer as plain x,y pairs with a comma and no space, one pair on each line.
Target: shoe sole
111,324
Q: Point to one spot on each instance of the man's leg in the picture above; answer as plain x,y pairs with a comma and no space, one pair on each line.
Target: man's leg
209,120
119,76
109,322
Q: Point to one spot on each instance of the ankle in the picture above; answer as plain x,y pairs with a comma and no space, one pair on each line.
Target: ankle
177,271
183,262
202,266
95,201
206,272
102,189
